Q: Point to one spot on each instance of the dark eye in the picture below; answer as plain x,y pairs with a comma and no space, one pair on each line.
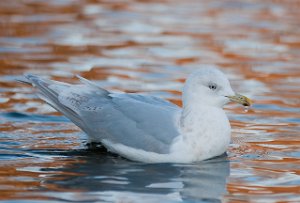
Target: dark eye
212,86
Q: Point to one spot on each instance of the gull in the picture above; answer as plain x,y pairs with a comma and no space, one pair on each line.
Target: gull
146,128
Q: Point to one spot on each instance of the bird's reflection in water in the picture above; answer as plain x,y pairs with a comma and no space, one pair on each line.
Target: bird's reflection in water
205,180
106,177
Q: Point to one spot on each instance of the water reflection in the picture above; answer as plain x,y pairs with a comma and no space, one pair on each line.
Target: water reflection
98,175
47,161
150,47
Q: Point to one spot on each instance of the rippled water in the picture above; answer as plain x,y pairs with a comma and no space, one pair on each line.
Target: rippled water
150,47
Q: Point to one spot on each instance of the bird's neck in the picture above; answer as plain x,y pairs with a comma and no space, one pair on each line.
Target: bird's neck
198,114
205,131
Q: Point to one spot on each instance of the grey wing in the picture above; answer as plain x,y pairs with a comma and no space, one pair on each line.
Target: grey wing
133,120
137,121
153,119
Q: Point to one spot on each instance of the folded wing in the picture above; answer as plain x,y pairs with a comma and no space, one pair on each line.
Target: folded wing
134,120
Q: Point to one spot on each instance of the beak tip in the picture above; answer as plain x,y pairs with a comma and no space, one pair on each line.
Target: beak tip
248,102
245,101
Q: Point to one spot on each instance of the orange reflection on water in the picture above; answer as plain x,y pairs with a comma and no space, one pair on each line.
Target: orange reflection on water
19,177
150,47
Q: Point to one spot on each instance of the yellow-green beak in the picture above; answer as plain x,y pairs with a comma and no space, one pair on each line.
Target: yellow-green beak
245,101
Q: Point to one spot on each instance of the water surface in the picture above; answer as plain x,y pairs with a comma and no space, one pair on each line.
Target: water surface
150,47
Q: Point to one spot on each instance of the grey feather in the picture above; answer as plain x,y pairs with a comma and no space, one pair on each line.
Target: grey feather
48,91
134,120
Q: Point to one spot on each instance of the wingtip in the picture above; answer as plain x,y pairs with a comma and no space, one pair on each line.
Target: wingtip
90,83
25,79
30,76
82,79
31,79
78,76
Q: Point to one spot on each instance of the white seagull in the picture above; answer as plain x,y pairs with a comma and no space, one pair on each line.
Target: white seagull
146,128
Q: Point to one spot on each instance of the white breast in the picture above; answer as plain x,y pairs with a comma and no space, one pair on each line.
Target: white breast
202,138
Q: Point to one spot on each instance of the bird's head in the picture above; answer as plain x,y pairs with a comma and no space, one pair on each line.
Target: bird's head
209,86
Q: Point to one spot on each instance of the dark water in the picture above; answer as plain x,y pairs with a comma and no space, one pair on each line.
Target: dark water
150,47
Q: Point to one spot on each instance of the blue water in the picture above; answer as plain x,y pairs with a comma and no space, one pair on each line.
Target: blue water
149,47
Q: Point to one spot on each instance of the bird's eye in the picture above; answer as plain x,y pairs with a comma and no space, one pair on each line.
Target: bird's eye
212,86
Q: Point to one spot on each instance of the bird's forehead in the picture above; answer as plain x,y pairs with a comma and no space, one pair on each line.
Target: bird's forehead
211,75
215,77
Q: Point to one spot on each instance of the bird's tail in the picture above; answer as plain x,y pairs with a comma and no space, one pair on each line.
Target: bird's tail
48,90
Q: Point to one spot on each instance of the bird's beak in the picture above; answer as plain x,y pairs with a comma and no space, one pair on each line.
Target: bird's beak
245,101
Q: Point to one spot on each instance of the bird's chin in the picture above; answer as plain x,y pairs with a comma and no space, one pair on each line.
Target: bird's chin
225,101
219,104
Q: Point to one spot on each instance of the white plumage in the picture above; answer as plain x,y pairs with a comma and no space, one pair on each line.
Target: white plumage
145,128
